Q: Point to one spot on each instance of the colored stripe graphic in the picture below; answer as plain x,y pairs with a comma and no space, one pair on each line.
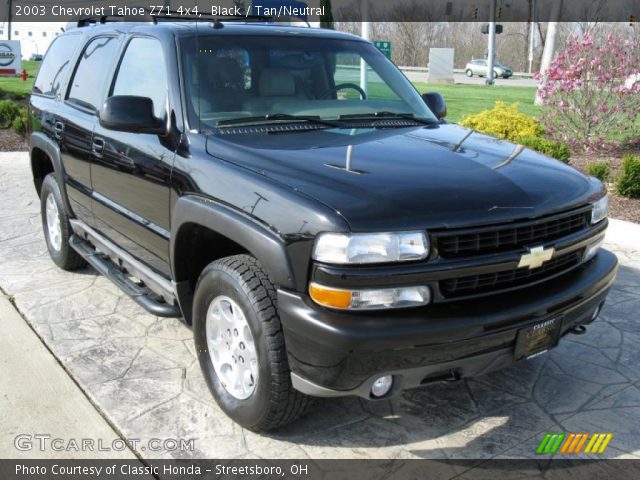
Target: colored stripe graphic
550,443
598,443
567,444
582,442
573,443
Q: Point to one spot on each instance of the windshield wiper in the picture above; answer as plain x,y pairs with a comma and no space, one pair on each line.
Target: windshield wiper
277,117
388,115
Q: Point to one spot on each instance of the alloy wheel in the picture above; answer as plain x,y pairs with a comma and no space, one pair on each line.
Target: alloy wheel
53,223
231,347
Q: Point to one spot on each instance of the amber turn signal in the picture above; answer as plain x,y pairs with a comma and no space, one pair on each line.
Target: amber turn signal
330,297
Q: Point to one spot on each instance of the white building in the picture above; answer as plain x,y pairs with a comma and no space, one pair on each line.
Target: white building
34,37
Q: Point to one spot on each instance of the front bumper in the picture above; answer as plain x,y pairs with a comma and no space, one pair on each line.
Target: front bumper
333,353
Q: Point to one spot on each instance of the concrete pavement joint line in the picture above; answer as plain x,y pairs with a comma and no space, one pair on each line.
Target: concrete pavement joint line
97,407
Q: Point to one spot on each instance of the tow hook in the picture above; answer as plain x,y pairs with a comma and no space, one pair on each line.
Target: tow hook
578,330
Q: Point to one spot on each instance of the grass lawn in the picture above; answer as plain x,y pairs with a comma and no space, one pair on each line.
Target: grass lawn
15,85
463,100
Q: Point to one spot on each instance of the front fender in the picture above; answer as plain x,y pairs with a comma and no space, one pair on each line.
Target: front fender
255,237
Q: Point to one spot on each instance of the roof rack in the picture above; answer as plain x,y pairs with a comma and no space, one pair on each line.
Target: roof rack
171,16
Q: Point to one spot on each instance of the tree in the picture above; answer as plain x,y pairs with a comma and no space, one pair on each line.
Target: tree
591,92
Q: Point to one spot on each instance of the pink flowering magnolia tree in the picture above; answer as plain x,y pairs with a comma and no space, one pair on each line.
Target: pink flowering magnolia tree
592,92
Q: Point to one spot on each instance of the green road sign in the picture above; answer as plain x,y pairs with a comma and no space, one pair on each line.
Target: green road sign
384,47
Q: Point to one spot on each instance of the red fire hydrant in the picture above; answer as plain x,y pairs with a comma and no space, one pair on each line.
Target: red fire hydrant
23,75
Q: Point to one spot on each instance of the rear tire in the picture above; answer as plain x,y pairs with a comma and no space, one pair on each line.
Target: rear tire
469,73
237,291
56,226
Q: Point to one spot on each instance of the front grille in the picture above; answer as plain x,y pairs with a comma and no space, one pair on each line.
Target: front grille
494,282
509,237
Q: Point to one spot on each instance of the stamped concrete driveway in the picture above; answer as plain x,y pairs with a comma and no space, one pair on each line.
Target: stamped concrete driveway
141,372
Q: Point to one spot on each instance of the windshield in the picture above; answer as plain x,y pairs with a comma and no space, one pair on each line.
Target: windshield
231,77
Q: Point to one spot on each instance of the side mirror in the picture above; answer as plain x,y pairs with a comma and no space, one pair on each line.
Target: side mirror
128,113
436,104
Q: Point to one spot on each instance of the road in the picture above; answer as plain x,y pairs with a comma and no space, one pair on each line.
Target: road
422,76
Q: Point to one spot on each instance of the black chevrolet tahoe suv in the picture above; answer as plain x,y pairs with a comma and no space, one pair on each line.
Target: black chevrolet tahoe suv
289,194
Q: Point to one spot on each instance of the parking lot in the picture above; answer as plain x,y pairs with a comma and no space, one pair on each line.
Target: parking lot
140,372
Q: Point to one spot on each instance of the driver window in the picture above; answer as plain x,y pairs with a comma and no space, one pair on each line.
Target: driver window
142,73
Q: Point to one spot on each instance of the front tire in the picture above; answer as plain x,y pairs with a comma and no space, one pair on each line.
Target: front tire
56,226
240,345
469,73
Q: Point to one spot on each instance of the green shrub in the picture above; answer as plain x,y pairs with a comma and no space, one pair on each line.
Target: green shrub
600,170
629,179
9,110
553,148
20,123
504,121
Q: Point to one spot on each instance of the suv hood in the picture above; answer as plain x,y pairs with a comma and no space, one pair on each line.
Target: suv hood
416,177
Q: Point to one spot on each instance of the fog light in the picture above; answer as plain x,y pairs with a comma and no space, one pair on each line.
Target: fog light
593,249
370,299
382,386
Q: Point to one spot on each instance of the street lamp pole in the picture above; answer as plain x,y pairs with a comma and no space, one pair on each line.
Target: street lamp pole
366,34
10,3
492,42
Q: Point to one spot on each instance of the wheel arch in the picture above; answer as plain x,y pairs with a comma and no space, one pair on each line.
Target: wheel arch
45,158
203,230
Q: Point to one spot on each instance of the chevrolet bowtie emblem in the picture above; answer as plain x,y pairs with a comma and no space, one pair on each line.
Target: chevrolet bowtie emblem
536,257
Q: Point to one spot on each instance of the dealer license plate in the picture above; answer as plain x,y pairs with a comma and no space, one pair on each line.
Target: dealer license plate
538,338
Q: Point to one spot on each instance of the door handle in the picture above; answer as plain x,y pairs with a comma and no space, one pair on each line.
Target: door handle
97,146
58,129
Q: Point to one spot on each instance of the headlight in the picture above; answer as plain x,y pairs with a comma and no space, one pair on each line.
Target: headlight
599,210
370,299
359,248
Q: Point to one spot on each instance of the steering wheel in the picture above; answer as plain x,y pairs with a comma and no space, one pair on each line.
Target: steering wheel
343,86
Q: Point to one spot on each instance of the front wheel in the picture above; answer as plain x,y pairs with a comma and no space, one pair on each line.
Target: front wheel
56,226
240,345
469,73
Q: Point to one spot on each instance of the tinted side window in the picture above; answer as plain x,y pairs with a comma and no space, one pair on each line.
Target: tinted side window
142,73
88,80
55,65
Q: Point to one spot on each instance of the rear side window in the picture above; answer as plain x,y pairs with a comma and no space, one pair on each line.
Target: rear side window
89,77
143,73
56,65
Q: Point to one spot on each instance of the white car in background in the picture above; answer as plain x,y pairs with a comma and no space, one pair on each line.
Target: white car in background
479,67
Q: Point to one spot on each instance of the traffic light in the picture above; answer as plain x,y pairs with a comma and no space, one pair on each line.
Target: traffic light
499,12
474,13
633,20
